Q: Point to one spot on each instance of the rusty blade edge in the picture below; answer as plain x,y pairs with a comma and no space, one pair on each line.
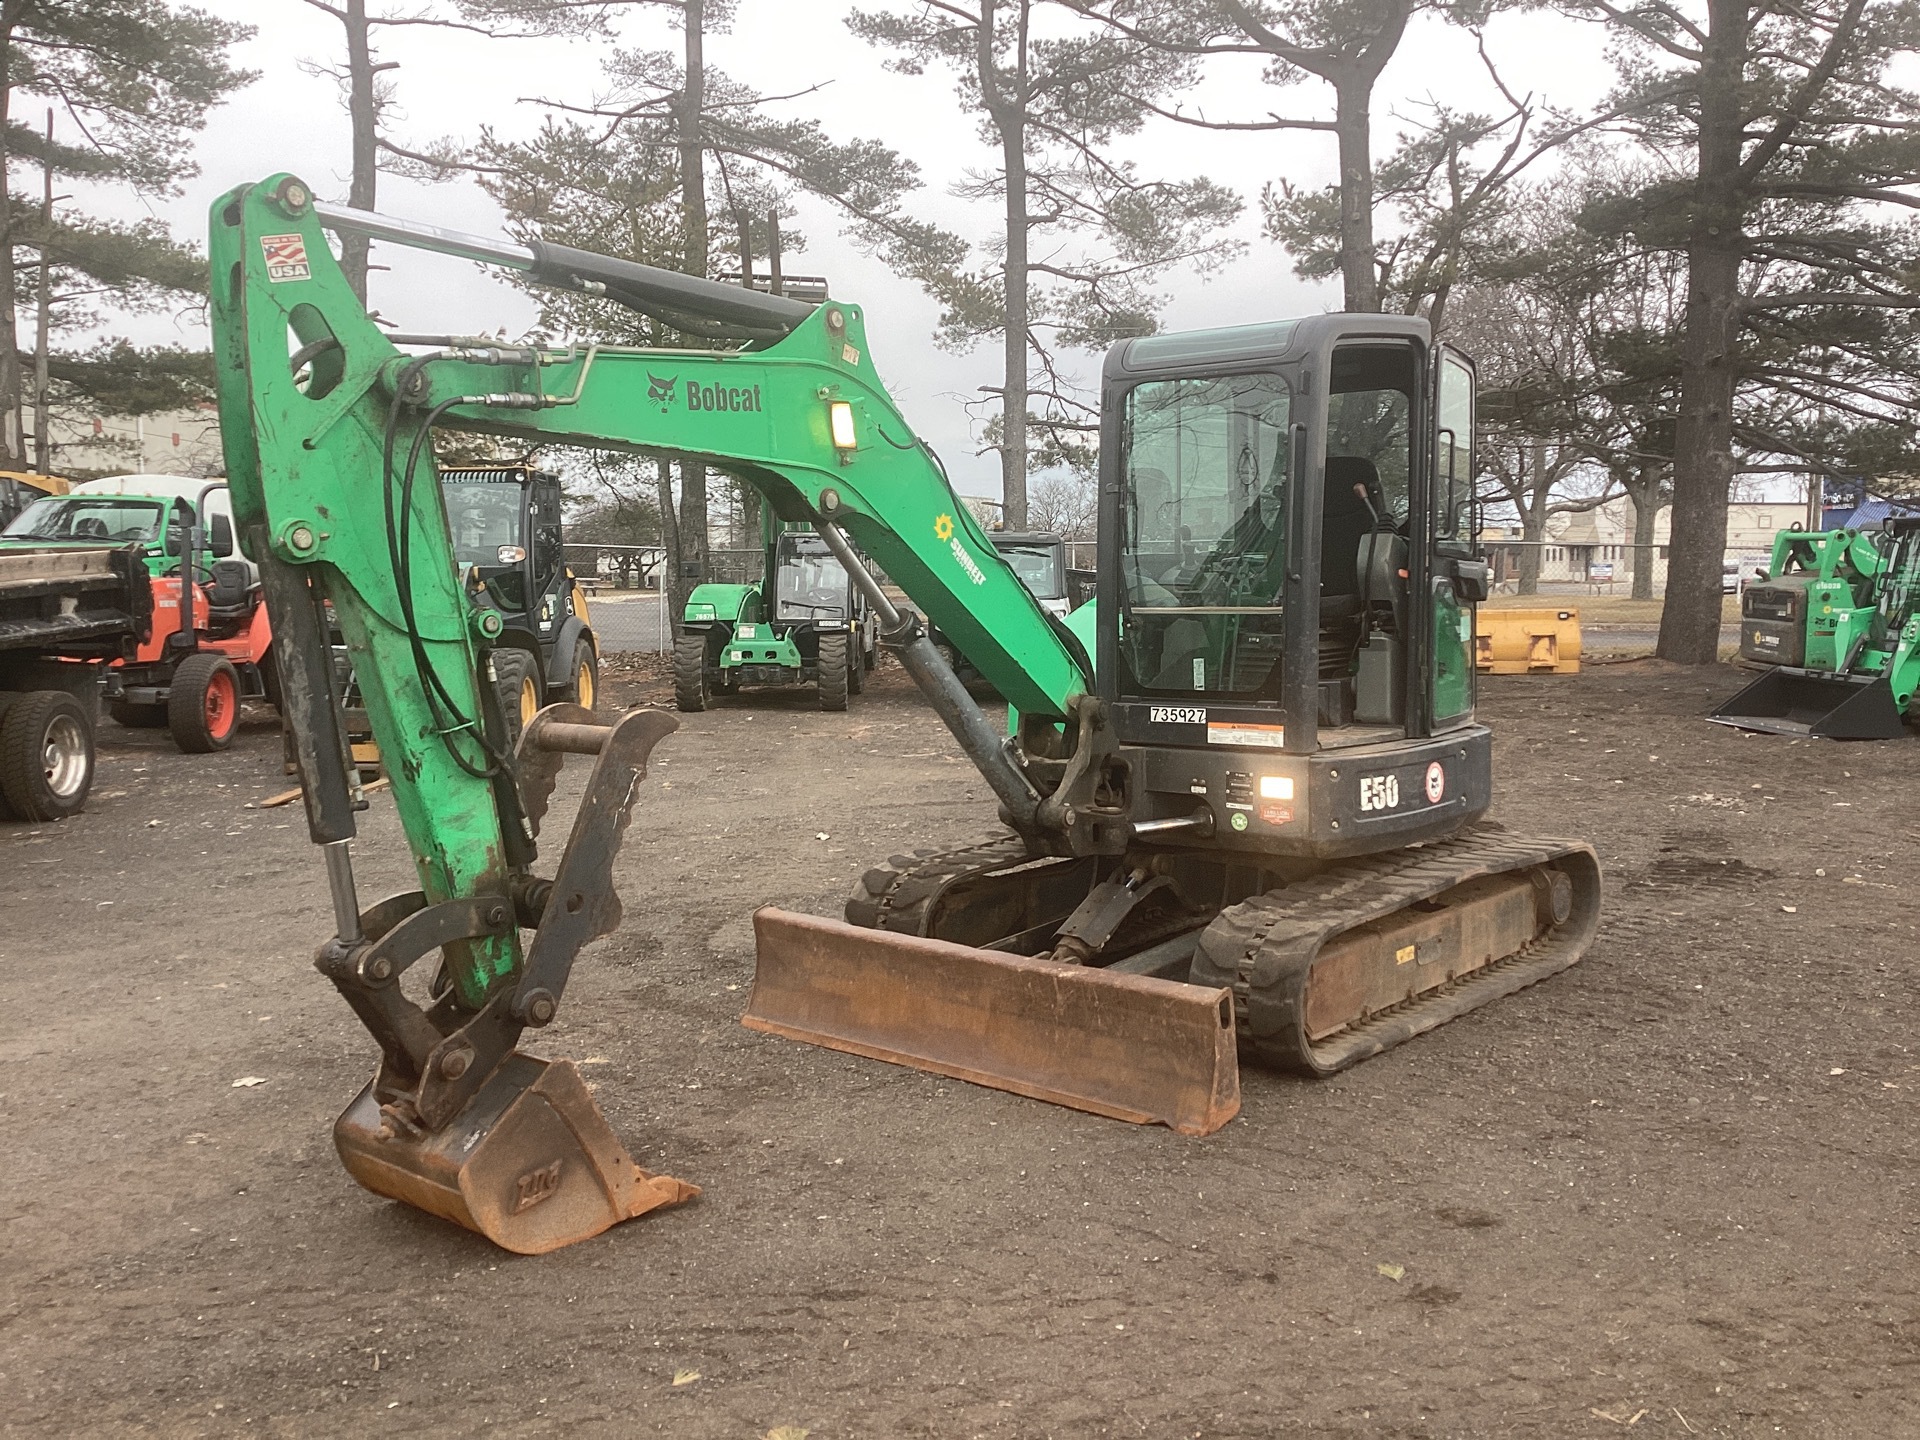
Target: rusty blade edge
986,1079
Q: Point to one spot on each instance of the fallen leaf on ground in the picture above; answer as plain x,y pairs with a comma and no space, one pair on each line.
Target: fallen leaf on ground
685,1377
247,1082
787,1432
1392,1272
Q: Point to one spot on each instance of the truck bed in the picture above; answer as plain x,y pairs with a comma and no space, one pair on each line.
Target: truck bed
75,603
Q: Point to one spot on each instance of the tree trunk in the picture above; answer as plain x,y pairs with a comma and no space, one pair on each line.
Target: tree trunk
11,442
366,155
1534,490
1703,438
1352,123
43,328
691,532
1009,118
691,548
1643,489
674,589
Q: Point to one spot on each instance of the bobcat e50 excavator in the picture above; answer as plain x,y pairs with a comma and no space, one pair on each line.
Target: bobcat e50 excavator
1241,790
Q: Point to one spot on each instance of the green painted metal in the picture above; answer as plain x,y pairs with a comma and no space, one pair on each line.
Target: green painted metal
1863,602
754,643
305,464
731,603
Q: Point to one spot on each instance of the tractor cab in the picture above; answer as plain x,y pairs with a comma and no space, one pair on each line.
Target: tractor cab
1040,560
804,624
1287,584
505,523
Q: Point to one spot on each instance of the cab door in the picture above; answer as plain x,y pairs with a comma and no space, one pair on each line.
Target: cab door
1455,572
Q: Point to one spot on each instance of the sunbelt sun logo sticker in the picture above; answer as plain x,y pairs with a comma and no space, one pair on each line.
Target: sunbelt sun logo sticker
943,530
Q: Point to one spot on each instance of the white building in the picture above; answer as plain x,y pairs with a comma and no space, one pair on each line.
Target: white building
174,442
1595,546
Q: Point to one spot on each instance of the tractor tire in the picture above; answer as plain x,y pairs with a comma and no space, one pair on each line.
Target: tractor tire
46,756
856,665
516,680
203,708
137,717
833,672
690,674
583,675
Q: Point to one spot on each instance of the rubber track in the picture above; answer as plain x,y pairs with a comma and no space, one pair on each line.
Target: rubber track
895,896
1264,946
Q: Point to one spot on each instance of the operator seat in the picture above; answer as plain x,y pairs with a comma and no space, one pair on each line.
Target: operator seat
1344,523
91,528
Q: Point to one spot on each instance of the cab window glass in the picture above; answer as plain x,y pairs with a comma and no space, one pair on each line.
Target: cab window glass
1453,453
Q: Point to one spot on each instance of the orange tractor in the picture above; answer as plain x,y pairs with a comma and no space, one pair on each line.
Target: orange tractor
192,677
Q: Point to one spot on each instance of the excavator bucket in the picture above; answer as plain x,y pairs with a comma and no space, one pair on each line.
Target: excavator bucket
1133,1047
530,1163
1786,701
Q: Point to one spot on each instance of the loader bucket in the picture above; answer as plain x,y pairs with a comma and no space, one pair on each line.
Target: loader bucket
530,1163
1133,1047
1798,702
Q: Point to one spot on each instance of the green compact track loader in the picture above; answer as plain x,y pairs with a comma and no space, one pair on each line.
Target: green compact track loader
1834,622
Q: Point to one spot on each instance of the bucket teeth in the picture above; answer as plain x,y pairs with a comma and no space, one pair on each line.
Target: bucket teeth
530,1163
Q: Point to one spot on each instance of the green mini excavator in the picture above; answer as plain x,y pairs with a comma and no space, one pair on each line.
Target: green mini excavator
1239,801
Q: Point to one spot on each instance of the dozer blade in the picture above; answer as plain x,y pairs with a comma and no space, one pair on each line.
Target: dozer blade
1799,702
1128,1046
530,1163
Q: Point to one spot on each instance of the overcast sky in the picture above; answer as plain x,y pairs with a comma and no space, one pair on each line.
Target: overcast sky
450,84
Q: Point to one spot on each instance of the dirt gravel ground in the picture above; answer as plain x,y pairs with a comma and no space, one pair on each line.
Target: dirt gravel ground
1671,1191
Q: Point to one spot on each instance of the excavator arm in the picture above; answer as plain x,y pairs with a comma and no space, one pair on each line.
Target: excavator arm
327,425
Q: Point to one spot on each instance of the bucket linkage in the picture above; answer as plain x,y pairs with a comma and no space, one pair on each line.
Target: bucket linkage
457,1121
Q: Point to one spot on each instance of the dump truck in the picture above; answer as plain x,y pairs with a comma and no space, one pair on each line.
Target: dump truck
1835,623
208,647
1243,823
66,611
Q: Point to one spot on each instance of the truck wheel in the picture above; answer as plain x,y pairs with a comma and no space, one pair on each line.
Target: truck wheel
833,672
690,673
583,685
137,717
46,756
516,680
856,666
203,706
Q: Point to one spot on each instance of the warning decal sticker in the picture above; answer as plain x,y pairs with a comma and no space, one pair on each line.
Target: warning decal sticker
286,257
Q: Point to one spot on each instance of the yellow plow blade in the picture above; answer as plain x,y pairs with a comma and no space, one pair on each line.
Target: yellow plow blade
1132,1047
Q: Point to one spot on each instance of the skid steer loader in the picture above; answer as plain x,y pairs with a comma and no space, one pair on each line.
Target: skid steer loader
1836,623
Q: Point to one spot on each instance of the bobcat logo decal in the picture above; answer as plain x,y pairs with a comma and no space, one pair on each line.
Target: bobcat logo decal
660,391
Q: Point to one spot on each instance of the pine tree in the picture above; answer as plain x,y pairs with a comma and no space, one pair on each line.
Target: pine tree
1083,236
1791,143
134,79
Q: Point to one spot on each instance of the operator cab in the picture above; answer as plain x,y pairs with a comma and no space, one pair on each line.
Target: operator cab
1288,576
505,525
808,582
1040,560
